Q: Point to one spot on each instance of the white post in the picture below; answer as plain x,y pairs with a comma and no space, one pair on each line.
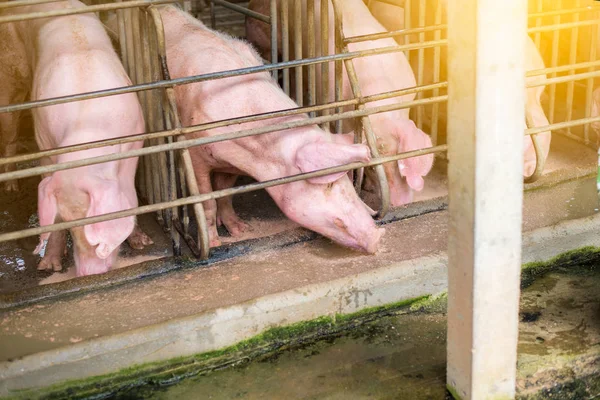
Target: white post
486,50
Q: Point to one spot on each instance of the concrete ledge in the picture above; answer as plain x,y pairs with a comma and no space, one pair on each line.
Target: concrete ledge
222,327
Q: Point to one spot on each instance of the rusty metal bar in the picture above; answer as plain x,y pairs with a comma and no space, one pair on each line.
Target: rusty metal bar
285,44
435,108
274,36
421,62
325,66
214,75
590,83
217,124
184,144
401,32
572,60
298,50
84,10
243,10
384,190
23,3
216,194
213,18
312,73
203,241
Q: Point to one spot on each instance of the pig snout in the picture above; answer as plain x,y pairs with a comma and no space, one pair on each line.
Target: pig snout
92,259
367,242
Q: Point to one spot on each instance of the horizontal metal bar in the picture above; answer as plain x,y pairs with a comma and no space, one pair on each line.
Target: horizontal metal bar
243,10
23,3
563,12
184,144
215,195
562,125
218,124
566,25
215,75
563,68
562,79
401,32
83,10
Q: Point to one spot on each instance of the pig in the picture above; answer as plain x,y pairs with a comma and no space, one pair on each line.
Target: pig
328,205
534,113
15,79
70,55
394,131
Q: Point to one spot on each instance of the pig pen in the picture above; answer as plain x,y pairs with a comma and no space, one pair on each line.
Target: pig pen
567,36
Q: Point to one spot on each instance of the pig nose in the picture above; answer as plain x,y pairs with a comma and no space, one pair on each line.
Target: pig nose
373,240
103,251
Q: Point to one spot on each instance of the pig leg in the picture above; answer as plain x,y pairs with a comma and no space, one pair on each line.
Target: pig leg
56,249
210,208
225,213
9,124
138,239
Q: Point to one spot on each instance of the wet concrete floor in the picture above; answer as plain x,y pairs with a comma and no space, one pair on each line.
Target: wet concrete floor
404,356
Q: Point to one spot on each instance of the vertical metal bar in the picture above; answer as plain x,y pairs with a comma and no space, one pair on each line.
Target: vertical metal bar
130,50
538,23
365,122
486,77
122,37
339,44
213,18
554,63
324,52
572,60
274,35
310,26
407,25
435,110
285,44
298,50
590,82
421,65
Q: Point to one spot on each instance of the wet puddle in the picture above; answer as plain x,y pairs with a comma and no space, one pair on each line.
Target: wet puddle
403,356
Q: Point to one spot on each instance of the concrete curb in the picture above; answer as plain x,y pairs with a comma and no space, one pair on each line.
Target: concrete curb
226,326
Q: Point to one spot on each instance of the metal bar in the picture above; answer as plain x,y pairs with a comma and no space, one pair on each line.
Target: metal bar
590,83
401,32
83,10
214,195
421,62
538,23
563,68
211,139
338,26
325,66
572,60
22,3
274,36
486,74
213,18
555,43
243,10
122,37
217,124
564,11
214,75
298,50
312,73
285,44
561,125
562,79
558,26
384,190
435,108
407,25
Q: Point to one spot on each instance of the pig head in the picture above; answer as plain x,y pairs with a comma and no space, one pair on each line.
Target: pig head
96,246
329,204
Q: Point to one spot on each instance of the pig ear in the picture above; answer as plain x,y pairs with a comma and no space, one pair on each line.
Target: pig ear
47,209
106,197
319,155
415,168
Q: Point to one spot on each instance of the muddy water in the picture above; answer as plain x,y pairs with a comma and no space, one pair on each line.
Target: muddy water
404,356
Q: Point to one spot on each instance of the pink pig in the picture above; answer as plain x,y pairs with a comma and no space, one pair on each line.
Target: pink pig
376,74
328,205
70,55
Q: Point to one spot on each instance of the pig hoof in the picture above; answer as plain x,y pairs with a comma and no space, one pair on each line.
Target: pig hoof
11,186
235,226
50,263
138,239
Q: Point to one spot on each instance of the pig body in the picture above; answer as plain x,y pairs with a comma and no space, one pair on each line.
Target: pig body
15,80
327,205
70,55
394,131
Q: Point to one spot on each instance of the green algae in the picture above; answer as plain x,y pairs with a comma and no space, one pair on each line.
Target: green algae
167,372
434,304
